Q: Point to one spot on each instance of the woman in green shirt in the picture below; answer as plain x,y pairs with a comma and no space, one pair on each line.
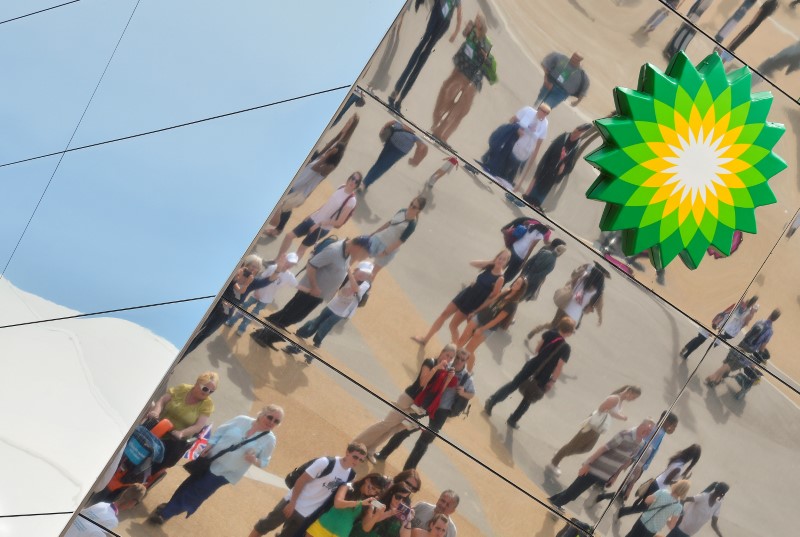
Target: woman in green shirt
392,518
348,504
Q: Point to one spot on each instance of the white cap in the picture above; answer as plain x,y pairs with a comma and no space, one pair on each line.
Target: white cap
291,257
365,266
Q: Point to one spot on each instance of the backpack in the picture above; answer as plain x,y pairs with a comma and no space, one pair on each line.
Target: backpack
324,243
752,335
517,228
292,477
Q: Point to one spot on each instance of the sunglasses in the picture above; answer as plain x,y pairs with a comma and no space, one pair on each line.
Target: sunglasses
410,485
206,389
400,496
273,419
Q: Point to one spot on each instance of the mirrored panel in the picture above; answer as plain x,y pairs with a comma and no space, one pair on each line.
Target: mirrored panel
749,416
191,60
427,76
760,33
127,220
48,86
312,414
20,8
90,375
437,273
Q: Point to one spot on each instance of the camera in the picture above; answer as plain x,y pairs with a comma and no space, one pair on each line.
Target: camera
376,504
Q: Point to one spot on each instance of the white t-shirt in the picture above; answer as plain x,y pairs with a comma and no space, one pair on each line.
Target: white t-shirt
266,295
345,303
328,211
735,322
660,480
697,513
534,129
319,489
523,244
102,513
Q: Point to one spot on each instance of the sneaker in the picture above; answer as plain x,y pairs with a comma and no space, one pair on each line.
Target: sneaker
555,470
371,458
292,349
513,424
309,358
488,406
683,354
156,519
378,457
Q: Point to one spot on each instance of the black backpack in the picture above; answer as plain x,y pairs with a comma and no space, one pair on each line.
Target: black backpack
292,477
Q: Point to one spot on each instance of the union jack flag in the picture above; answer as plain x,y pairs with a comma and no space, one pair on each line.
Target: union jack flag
200,444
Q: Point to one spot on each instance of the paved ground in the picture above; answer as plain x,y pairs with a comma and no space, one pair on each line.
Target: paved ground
751,444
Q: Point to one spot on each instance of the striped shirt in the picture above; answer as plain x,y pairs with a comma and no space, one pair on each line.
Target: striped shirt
619,450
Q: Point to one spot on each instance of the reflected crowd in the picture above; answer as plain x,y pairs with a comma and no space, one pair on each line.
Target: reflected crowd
286,299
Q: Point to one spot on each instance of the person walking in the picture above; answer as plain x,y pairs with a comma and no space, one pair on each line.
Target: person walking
540,372
732,320
755,340
563,77
398,140
664,508
521,235
236,445
438,24
539,265
557,163
394,422
324,275
699,509
497,315
515,143
482,291
606,461
595,425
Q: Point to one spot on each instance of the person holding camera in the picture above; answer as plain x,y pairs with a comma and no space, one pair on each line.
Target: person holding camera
394,422
438,398
349,503
388,516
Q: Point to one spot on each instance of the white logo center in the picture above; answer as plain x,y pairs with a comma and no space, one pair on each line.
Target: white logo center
697,165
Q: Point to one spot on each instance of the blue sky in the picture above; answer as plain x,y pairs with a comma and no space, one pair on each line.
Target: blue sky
164,216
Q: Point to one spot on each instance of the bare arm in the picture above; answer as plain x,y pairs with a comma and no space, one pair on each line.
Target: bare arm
419,154
158,407
498,286
302,481
201,422
609,406
426,373
340,503
555,375
714,526
673,521
593,457
311,272
458,24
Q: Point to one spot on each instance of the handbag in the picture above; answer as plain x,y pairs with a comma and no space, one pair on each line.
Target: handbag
642,489
563,295
202,465
529,388
598,422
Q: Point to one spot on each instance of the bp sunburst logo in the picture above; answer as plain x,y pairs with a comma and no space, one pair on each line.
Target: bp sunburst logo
686,160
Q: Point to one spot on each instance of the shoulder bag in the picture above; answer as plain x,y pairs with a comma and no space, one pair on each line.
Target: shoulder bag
202,465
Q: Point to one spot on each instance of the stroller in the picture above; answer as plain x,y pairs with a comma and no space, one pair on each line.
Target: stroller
144,448
750,374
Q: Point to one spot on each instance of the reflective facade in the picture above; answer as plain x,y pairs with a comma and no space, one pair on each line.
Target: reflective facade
436,130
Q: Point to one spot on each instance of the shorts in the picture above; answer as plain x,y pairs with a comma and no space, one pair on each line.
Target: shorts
376,247
304,229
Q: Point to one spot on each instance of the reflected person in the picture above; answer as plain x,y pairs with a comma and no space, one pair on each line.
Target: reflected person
563,77
398,140
438,23
446,505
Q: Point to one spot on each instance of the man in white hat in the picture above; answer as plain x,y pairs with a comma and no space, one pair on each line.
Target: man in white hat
342,306
264,287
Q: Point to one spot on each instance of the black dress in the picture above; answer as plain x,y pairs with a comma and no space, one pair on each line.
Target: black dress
471,298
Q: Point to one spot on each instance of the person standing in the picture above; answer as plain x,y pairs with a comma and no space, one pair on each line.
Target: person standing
438,24
563,77
525,234
595,425
659,15
446,505
681,39
438,398
732,320
324,275
543,370
313,488
557,163
699,509
607,461
765,10
513,144
398,140
374,435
